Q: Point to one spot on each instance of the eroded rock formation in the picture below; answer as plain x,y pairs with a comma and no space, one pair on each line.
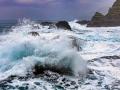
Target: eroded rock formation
63,25
112,18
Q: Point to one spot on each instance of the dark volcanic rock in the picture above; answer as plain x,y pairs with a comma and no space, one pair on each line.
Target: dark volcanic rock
97,20
59,24
34,33
63,25
112,18
111,57
38,69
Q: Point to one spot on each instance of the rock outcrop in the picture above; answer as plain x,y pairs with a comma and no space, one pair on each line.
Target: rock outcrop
60,25
34,33
112,18
63,25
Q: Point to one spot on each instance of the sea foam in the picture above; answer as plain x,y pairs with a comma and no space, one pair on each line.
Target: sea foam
20,51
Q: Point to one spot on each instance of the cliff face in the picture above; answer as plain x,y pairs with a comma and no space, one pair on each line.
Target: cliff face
112,18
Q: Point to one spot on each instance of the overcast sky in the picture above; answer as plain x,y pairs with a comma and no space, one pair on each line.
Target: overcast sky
52,9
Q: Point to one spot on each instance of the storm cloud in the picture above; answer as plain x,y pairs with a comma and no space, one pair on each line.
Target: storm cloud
52,9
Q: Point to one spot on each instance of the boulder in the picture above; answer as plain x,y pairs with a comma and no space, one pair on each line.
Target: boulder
111,57
34,33
63,25
40,69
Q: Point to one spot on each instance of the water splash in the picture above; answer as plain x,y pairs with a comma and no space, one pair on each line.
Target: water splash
21,51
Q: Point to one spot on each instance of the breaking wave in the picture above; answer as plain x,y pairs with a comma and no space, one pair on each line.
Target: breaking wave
54,50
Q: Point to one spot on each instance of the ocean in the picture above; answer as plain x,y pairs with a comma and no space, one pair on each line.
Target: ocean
84,58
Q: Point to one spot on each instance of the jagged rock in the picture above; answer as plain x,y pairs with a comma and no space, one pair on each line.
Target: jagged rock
60,24
34,33
97,19
111,57
112,18
38,69
115,10
63,25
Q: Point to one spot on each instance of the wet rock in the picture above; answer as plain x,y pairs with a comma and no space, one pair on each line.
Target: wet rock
73,82
23,88
37,83
6,87
88,83
39,69
25,84
90,71
8,80
64,80
111,57
59,24
107,87
92,78
100,83
58,87
5,83
67,85
63,25
34,33
76,87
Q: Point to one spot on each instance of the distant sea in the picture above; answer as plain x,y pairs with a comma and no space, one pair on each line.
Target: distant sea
5,25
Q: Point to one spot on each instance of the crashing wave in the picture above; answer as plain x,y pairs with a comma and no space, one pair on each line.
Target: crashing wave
56,51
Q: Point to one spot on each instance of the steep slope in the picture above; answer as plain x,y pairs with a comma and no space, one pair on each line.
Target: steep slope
112,18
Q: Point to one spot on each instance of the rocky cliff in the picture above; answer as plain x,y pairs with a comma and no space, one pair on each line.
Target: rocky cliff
112,18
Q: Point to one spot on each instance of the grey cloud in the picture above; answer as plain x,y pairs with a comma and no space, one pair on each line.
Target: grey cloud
52,9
